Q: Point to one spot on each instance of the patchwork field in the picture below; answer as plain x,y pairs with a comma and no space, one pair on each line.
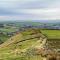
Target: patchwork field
51,34
6,33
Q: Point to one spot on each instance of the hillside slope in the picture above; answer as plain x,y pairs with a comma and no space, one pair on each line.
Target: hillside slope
21,43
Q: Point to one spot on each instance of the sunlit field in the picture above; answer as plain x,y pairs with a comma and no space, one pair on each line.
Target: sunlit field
51,34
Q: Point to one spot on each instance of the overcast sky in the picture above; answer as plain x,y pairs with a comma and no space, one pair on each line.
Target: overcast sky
29,9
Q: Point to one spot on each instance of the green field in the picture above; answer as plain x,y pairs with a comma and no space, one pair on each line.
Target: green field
53,38
51,34
7,29
4,36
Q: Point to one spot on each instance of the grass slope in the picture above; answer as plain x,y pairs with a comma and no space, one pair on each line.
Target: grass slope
17,46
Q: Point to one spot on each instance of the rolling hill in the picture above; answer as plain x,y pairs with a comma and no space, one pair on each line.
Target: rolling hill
17,46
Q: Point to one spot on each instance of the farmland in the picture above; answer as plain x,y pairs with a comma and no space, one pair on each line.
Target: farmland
53,38
51,34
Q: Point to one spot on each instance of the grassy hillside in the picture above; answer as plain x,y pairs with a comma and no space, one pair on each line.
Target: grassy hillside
21,46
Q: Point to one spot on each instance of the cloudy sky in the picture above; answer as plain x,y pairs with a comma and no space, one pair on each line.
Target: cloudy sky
29,9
